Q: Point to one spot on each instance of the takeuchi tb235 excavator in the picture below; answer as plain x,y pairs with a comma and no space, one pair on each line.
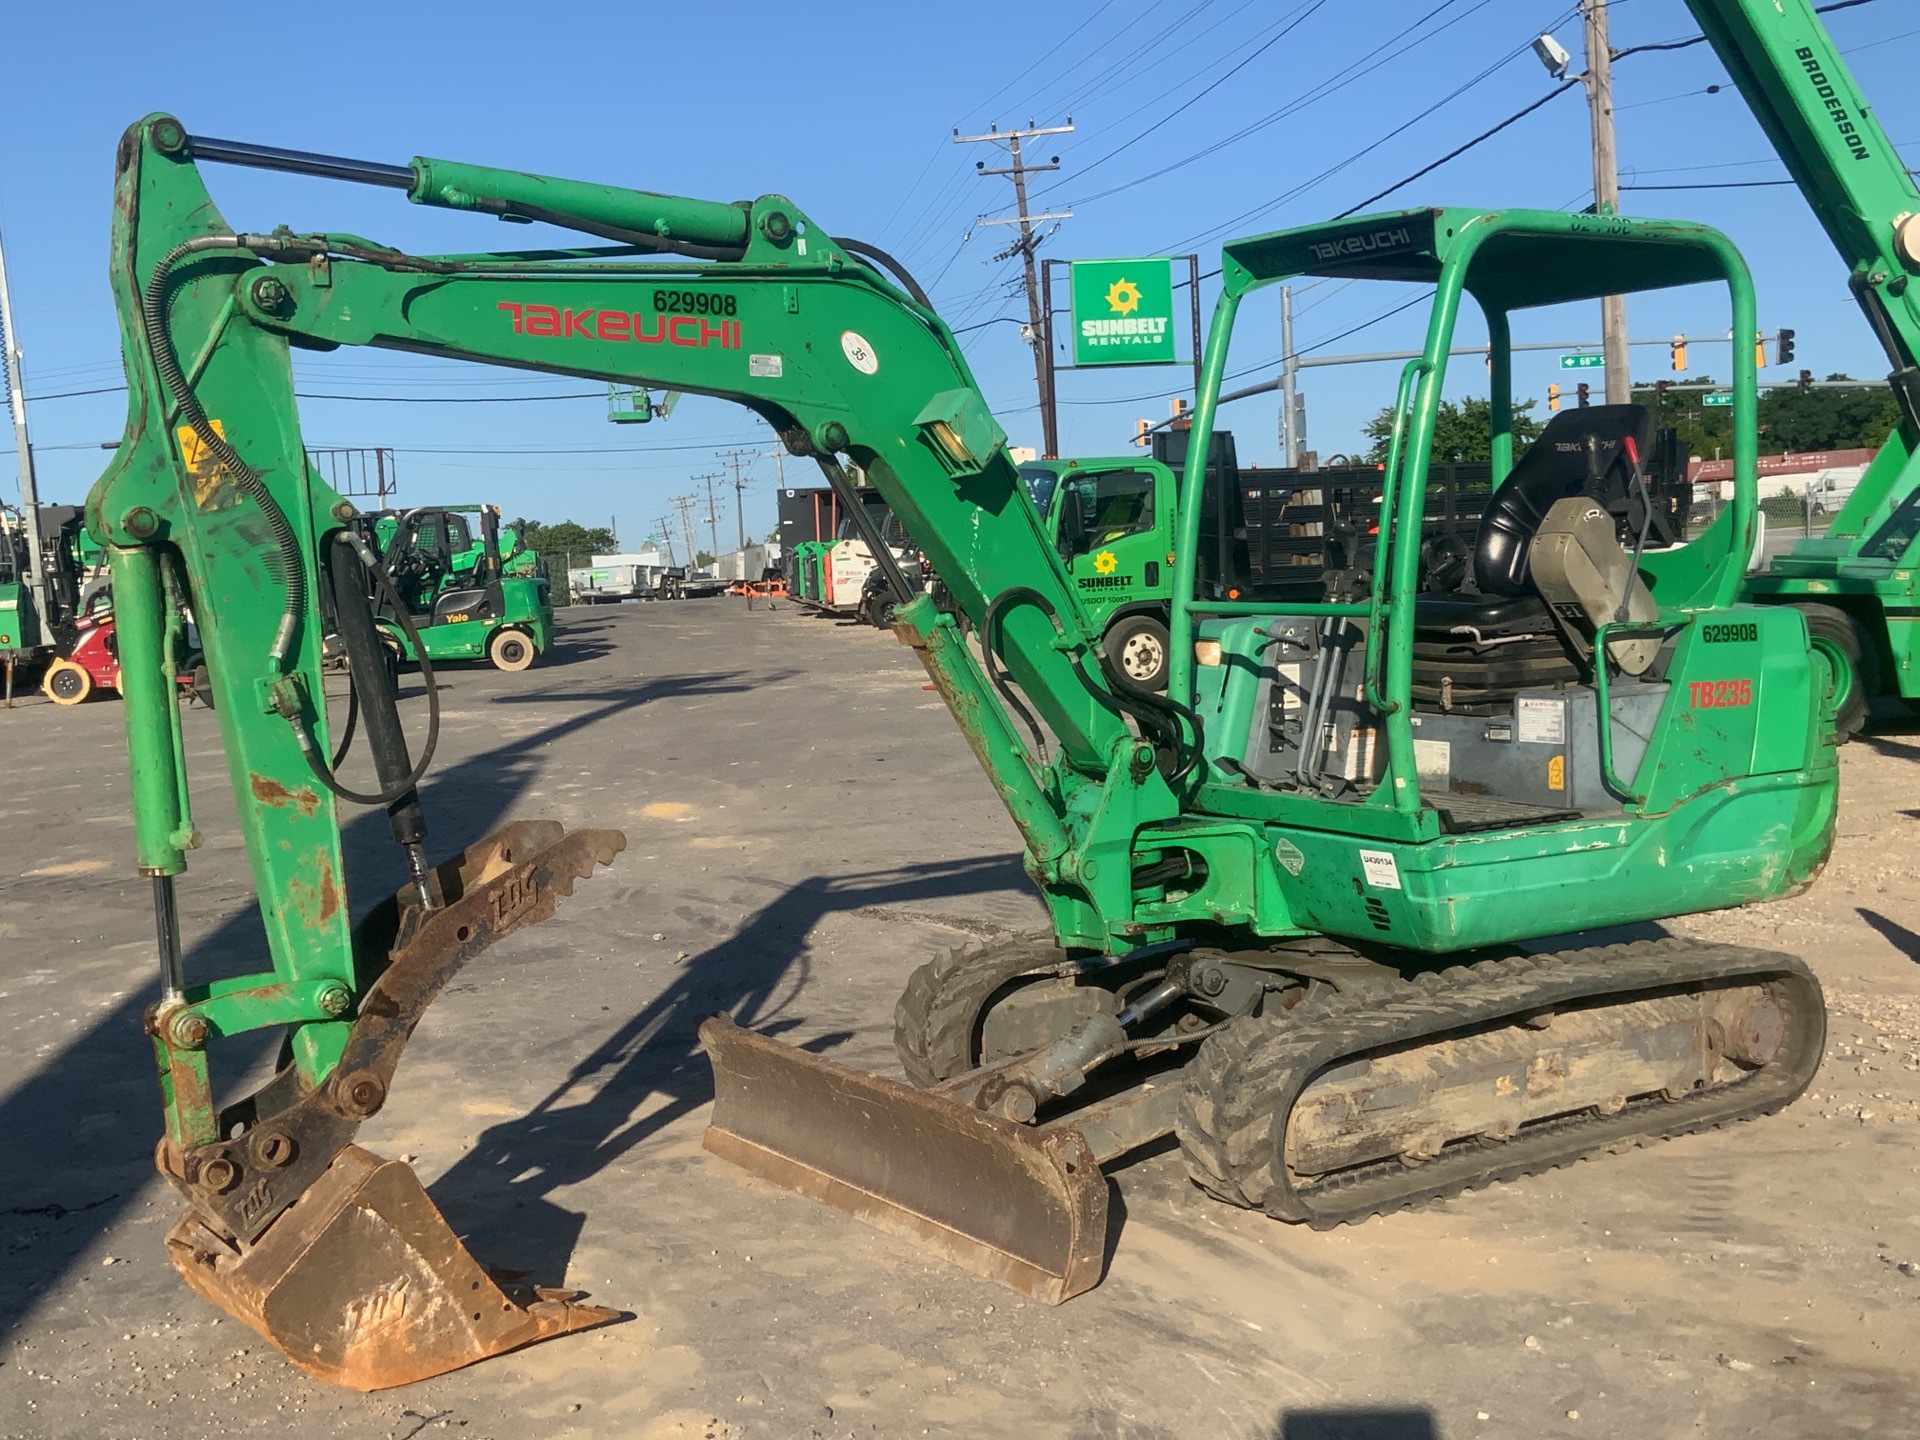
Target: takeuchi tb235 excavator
1302,904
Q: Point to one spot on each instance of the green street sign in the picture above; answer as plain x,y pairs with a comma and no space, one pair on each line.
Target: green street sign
1582,362
1122,312
1717,397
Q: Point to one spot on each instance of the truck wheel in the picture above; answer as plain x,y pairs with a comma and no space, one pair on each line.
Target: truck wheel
1841,640
1137,646
67,683
510,650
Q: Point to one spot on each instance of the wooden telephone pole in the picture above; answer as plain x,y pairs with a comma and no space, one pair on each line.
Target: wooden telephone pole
1606,192
1039,328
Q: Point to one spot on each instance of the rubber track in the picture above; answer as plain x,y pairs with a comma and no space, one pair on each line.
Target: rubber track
935,1019
1245,1080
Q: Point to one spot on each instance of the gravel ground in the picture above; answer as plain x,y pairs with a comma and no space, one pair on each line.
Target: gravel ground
806,826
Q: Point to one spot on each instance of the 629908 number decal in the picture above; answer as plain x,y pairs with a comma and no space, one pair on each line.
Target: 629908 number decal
1746,631
694,302
1720,694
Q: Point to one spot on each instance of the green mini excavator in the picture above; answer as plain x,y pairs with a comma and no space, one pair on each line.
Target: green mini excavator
1303,904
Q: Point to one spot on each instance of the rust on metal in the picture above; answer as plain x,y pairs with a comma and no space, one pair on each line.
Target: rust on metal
1023,1205
509,880
334,1255
269,791
363,1284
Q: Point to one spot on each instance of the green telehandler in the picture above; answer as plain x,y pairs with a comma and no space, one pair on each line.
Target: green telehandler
1303,906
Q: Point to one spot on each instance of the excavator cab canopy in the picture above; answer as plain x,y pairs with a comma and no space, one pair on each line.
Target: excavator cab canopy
1513,259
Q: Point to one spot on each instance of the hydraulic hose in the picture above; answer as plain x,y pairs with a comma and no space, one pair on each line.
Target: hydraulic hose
887,262
398,790
288,564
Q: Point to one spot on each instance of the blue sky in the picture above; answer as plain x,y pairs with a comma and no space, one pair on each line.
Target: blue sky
1190,128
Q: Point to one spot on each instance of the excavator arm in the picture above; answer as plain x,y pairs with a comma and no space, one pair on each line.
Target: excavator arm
209,507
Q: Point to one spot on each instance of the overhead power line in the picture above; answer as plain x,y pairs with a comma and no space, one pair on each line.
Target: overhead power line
1457,152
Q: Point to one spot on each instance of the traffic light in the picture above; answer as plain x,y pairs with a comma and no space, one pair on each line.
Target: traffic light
1759,351
1553,397
1806,379
1783,345
1679,352
1142,433
1585,391
1660,388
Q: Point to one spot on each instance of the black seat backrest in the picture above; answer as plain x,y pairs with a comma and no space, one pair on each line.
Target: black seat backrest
1577,453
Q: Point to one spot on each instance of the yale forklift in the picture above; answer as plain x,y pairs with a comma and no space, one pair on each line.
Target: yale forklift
468,599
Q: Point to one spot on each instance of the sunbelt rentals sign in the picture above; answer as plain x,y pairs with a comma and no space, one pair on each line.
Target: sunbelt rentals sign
1122,312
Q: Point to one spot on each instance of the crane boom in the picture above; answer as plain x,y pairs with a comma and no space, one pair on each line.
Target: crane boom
1855,583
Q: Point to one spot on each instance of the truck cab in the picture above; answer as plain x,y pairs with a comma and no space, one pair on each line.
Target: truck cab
1112,521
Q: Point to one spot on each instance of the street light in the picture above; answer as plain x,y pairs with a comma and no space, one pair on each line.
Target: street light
1553,55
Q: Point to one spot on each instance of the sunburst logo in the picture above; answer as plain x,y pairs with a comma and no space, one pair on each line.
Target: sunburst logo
1123,297
1105,563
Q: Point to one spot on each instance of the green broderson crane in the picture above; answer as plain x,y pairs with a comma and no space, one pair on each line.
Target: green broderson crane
1302,906
1859,585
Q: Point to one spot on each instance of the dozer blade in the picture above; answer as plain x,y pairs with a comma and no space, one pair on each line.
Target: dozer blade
362,1283
1023,1205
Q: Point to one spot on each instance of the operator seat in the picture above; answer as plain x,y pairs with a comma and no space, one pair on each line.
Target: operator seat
1474,647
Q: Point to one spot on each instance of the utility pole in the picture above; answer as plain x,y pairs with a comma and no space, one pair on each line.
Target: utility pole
1289,384
1039,325
740,459
712,517
665,527
684,505
10,370
1606,191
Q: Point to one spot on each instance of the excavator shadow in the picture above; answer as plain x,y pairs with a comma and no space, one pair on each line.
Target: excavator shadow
89,1113
501,1193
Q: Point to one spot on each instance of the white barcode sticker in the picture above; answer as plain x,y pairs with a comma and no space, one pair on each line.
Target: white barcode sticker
1380,870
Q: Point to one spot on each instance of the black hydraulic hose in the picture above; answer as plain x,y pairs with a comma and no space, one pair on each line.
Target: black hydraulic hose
289,563
898,271
997,674
1170,706
1150,711
346,731
400,788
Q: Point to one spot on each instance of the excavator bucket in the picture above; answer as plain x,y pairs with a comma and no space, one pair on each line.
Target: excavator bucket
333,1254
363,1284
1024,1205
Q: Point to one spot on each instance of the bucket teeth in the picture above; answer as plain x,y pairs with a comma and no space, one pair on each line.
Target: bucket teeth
362,1283
1023,1205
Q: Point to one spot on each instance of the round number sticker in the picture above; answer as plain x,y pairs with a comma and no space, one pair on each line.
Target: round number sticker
858,352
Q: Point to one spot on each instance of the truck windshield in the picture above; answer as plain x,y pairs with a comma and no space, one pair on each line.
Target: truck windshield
1040,485
1112,504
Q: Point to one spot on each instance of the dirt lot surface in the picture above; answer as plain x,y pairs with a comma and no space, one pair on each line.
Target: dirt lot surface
806,826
